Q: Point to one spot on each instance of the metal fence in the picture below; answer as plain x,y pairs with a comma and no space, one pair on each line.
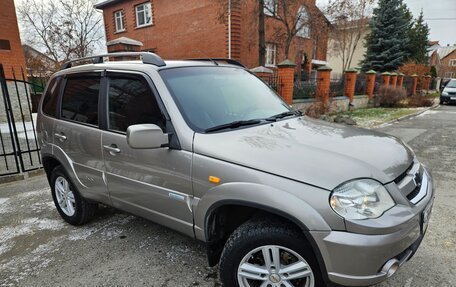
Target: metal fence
361,84
304,90
19,149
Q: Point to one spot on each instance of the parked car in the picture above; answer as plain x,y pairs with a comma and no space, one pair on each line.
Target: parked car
208,149
448,94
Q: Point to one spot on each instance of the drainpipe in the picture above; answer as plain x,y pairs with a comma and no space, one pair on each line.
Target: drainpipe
229,29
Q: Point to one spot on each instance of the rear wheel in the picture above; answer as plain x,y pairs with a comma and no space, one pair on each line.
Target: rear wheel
72,207
268,254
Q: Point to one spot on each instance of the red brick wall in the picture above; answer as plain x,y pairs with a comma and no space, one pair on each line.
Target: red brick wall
180,29
9,30
193,28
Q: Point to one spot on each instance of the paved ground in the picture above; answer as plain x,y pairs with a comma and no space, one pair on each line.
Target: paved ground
38,249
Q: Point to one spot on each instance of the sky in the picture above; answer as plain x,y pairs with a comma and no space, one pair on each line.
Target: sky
440,15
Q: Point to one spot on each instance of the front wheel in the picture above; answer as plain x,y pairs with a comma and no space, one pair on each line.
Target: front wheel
268,254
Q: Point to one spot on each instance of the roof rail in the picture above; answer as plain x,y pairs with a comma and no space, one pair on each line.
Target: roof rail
215,60
146,57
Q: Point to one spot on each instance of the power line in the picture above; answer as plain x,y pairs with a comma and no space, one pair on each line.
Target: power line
438,19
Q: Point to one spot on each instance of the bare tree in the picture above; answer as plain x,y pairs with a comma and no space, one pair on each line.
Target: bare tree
351,19
297,18
63,29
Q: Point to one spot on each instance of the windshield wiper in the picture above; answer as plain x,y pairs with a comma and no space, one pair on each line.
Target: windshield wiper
283,115
232,125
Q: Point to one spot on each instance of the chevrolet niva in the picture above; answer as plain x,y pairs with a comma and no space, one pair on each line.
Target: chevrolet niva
208,149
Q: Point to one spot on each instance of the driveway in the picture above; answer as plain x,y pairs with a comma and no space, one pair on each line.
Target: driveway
38,249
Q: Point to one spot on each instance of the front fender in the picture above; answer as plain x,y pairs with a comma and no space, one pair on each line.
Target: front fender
259,196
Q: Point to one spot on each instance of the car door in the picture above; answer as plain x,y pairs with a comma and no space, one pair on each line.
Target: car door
77,136
152,183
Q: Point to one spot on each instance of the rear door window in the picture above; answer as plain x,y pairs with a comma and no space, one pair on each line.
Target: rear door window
80,100
131,101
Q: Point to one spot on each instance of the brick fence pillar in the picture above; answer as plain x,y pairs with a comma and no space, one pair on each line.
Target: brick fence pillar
400,80
428,82
350,83
370,83
263,73
386,79
393,79
323,83
286,76
415,83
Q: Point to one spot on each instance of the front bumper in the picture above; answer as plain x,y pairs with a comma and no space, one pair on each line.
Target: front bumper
355,259
448,99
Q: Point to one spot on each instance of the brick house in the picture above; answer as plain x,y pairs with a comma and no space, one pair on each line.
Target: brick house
182,29
444,60
11,53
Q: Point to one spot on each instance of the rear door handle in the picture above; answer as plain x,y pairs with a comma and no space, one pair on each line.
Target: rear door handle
61,136
112,149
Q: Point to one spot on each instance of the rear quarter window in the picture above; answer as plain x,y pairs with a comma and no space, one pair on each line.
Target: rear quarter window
51,97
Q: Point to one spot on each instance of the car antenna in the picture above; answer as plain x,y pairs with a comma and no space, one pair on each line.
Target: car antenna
206,56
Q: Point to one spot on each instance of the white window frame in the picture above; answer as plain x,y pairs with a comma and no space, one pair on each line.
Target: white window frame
452,63
119,21
143,9
304,32
271,7
271,54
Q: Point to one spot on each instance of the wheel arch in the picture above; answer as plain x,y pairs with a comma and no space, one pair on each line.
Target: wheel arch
215,247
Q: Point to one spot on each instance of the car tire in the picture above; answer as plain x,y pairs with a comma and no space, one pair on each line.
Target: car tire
72,207
256,237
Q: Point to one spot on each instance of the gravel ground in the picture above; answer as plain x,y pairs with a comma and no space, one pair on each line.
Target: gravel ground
38,249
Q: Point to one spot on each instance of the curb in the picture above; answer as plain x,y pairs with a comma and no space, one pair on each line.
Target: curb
21,176
406,117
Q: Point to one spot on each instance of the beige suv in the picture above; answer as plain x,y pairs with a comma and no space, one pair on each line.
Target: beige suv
206,148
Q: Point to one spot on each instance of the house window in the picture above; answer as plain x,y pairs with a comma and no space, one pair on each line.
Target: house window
144,15
271,54
5,45
118,16
448,75
302,23
452,63
270,7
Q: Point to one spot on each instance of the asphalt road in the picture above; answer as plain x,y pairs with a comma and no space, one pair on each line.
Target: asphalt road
38,249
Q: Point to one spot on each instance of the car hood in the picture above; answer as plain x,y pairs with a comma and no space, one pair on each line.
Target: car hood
310,151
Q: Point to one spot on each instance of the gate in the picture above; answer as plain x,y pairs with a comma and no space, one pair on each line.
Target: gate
19,149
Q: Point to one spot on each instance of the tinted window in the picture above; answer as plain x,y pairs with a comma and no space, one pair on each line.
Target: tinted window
212,96
80,100
51,97
131,102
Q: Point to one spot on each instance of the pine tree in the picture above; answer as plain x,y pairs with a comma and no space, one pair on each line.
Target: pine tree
419,41
386,45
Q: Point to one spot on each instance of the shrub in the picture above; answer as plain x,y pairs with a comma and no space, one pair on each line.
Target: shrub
389,97
420,101
318,108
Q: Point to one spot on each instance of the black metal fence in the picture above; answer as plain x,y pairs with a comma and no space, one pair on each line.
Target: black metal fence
19,149
304,90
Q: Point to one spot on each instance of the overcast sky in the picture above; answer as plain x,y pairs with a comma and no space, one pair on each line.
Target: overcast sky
439,14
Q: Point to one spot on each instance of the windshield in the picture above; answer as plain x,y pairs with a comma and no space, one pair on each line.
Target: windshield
451,84
212,96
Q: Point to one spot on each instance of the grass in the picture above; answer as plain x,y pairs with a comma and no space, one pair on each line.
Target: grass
435,95
371,117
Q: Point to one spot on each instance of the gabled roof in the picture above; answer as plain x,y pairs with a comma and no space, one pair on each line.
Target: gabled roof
445,51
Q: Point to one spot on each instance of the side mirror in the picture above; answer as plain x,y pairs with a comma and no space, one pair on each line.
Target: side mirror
146,136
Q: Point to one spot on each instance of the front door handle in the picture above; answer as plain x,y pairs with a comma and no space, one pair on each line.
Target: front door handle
112,149
61,136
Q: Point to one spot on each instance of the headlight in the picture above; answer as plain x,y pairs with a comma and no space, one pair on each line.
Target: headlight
444,94
361,199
